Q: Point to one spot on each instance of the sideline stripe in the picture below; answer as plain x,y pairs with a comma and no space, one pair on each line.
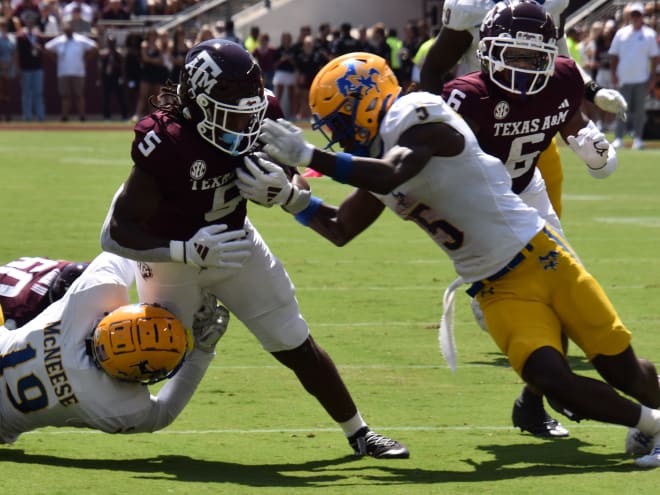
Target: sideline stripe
260,431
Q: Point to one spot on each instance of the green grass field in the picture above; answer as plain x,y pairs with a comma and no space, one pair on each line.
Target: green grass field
374,305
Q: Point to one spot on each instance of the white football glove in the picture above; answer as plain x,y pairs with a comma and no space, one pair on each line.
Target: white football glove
211,246
611,101
285,142
592,146
268,185
209,324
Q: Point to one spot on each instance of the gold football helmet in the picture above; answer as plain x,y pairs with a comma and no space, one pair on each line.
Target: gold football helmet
2,317
140,343
349,96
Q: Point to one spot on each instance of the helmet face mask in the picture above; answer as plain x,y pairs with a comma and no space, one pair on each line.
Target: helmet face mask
140,343
348,98
518,47
222,92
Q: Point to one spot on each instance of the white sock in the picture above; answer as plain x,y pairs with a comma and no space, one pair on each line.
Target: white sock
649,421
351,426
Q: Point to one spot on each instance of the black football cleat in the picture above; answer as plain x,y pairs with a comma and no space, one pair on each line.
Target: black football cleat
367,442
528,417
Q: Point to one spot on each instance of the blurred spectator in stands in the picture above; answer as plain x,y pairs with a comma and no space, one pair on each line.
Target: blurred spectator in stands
573,39
166,51
132,68
395,45
8,61
30,50
179,47
411,43
220,28
304,31
155,7
322,41
588,48
229,33
206,32
603,77
171,7
26,10
6,11
634,60
86,12
420,56
265,54
72,50
51,18
115,11
77,23
308,63
154,72
252,40
364,43
345,43
378,43
284,79
112,77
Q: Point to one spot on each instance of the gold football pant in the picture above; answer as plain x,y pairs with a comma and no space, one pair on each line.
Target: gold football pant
543,291
549,164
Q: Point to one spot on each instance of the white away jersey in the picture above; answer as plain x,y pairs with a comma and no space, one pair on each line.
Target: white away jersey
464,203
46,376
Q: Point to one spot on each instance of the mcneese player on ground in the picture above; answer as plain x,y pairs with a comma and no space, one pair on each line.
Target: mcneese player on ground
69,366
528,281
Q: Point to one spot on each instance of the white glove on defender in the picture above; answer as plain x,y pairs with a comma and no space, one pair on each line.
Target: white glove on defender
212,247
611,101
209,324
285,142
267,184
592,146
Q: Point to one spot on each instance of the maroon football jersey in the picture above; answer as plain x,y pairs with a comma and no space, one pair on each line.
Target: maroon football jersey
197,181
24,287
517,129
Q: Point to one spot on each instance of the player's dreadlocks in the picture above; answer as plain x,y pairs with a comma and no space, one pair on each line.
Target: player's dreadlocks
167,99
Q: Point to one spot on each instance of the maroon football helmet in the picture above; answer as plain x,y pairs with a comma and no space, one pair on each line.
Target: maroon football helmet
222,92
64,279
518,46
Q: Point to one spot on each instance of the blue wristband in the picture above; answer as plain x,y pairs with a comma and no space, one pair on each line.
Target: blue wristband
343,167
305,216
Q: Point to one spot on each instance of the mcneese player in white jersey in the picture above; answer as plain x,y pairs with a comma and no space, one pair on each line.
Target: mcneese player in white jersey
433,172
79,363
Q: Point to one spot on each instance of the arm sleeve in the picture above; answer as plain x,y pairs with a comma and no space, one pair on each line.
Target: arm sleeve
176,393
